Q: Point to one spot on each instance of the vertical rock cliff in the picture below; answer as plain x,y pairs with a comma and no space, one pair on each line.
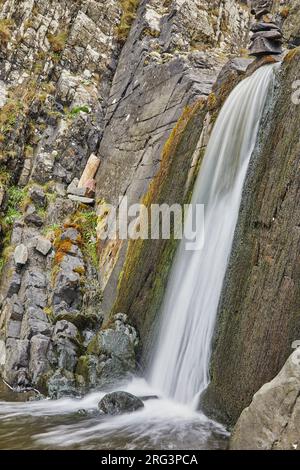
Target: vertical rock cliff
57,64
80,78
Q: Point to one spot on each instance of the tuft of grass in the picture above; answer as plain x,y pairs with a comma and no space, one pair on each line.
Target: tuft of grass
4,176
8,116
16,198
292,54
6,254
58,41
19,102
79,270
50,231
284,12
129,9
28,24
6,26
86,221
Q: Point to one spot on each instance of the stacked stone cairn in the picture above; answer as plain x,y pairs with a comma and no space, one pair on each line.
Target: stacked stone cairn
267,36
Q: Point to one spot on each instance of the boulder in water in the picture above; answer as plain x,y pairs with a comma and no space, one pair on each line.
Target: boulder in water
117,403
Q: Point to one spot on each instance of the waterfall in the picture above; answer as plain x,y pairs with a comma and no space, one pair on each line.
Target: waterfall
180,364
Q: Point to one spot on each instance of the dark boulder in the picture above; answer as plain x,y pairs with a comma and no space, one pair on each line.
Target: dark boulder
116,403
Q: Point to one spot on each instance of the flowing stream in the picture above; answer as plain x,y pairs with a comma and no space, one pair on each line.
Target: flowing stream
181,356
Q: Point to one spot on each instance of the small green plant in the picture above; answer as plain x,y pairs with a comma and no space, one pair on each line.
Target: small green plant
49,312
6,254
56,57
16,195
16,198
28,24
79,109
50,230
4,176
2,263
41,212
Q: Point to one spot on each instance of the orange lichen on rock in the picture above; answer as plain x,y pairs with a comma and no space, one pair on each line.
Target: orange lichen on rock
63,247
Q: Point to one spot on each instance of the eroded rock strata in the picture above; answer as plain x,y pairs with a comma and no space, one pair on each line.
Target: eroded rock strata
132,90
259,309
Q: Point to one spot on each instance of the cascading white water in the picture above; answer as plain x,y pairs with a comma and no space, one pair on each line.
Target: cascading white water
180,366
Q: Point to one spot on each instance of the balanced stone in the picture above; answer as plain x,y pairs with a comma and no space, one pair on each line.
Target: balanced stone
90,188
263,27
90,170
73,188
73,185
43,246
264,46
261,7
21,255
273,34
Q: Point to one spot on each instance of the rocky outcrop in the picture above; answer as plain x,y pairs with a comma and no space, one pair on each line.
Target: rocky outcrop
172,57
289,15
111,355
57,64
74,91
145,272
258,311
272,420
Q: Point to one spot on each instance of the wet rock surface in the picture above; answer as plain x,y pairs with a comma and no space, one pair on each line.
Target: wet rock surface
258,320
267,37
117,403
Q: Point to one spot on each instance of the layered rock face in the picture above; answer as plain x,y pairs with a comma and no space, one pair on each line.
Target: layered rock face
173,55
57,64
259,309
67,92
